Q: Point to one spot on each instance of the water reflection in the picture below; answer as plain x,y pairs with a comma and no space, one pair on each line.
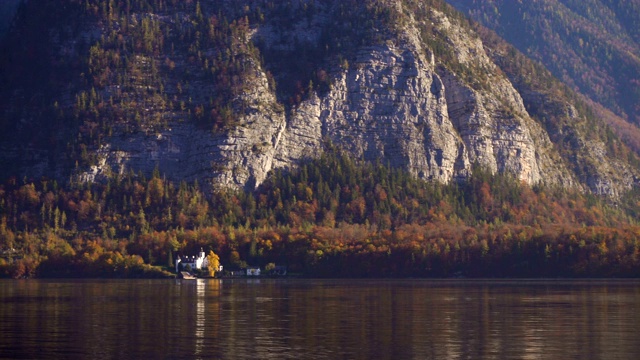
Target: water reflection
265,319
200,318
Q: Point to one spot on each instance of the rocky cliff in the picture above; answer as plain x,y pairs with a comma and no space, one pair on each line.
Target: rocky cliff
422,94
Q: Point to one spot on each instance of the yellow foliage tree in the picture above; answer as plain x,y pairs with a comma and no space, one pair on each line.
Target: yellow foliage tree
214,263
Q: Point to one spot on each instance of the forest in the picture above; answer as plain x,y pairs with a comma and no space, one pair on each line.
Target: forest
333,217
140,65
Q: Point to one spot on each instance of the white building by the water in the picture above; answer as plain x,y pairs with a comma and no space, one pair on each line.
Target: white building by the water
253,271
196,263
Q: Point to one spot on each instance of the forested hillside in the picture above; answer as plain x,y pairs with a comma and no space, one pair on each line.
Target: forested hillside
591,45
339,138
332,217
223,92
110,66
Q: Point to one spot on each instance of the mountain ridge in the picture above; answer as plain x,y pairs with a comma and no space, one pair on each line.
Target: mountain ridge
339,138
223,92
593,46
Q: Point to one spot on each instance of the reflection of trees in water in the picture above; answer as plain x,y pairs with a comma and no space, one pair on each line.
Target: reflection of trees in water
318,319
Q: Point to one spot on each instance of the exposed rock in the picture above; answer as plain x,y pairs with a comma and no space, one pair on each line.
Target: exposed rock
395,102
393,105
242,157
390,106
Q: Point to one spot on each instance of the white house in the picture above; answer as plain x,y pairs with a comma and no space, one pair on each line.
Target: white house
196,263
253,271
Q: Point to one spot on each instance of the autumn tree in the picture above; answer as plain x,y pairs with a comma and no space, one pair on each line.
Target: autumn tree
214,263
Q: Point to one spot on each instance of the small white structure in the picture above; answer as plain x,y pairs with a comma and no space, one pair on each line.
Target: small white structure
253,271
196,263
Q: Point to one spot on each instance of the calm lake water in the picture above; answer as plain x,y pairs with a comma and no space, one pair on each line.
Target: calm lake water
319,319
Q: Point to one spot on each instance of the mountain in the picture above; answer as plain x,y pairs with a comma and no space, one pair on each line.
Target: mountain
591,45
223,92
340,138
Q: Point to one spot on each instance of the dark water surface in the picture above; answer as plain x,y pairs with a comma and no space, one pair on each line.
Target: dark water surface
319,319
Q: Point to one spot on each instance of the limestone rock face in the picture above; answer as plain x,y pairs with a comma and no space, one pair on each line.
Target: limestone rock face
394,102
395,105
390,105
240,158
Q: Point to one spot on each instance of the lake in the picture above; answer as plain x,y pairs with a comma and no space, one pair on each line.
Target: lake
319,319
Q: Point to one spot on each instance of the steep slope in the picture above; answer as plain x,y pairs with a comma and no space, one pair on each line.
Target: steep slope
394,102
592,45
224,91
